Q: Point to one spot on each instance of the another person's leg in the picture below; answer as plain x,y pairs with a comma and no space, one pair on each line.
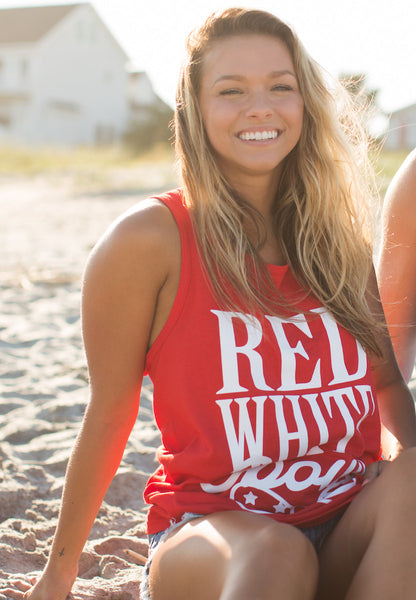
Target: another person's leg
234,556
371,552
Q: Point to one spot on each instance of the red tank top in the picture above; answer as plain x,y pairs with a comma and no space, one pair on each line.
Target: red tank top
276,416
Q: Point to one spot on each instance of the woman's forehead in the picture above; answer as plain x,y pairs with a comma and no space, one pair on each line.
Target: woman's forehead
240,54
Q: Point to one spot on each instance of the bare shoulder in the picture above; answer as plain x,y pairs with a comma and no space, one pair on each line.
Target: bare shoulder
144,239
129,286
150,220
148,223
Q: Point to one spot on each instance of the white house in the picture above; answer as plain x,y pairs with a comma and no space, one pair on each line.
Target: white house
63,77
401,129
142,98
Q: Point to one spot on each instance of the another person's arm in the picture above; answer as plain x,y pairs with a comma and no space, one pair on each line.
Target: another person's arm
397,264
396,405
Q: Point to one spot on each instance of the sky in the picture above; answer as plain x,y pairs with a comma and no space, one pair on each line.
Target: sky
376,37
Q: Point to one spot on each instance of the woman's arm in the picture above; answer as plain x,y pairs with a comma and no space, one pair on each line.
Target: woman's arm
396,405
397,264
128,289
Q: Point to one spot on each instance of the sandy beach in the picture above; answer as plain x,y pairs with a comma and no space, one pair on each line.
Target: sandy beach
47,229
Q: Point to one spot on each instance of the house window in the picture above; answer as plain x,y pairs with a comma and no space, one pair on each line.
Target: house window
86,31
93,32
80,30
24,68
4,120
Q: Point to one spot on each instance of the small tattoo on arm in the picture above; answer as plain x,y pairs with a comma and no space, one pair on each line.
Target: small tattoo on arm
62,552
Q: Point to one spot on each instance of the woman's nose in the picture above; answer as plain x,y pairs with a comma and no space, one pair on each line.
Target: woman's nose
259,106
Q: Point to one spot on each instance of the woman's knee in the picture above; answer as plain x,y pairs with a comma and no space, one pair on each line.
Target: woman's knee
279,538
228,551
188,565
260,539
283,551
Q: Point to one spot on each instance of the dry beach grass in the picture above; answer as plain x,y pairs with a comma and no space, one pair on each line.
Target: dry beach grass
49,222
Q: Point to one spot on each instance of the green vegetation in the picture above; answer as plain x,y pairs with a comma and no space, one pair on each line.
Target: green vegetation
388,162
93,168
16,160
120,166
154,128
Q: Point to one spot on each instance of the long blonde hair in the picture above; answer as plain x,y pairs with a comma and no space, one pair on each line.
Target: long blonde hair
320,211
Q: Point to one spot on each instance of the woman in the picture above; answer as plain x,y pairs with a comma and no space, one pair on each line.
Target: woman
249,298
397,264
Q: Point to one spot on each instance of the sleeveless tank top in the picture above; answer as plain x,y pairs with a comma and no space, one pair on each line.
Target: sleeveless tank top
277,416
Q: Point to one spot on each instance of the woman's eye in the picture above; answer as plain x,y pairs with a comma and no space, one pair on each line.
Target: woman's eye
282,88
230,92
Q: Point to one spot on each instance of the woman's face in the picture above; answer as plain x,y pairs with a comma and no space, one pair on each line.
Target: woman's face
250,104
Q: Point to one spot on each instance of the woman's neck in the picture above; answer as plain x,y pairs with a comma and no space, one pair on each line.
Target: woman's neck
261,195
259,192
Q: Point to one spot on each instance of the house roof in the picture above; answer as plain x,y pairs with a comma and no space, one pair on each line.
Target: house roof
30,24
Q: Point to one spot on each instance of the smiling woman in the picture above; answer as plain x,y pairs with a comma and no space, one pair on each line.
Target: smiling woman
249,298
321,177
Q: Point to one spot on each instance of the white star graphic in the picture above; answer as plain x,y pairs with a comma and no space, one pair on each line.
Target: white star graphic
250,498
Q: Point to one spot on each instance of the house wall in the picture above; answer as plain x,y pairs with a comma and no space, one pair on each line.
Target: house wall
69,88
16,80
401,132
15,68
141,91
81,82
14,120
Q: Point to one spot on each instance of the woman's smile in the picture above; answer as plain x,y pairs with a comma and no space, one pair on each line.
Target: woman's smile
258,135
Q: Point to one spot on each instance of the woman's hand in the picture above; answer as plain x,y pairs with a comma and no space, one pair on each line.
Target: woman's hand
48,587
374,470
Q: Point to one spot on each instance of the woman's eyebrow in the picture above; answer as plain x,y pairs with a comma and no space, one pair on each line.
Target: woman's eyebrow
228,77
236,77
282,72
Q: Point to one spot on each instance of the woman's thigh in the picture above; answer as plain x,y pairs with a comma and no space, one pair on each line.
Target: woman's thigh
234,555
371,549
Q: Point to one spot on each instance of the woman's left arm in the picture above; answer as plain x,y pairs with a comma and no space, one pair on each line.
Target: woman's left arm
396,404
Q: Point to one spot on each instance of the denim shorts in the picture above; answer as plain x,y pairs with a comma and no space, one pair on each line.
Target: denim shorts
315,534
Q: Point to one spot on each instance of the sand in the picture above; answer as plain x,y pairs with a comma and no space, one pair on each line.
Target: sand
47,228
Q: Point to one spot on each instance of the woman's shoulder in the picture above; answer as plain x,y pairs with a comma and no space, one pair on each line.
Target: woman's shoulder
148,225
144,239
148,220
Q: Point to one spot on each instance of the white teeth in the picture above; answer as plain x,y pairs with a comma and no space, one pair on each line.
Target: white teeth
258,135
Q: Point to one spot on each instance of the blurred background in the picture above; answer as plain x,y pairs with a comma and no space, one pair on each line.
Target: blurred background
101,75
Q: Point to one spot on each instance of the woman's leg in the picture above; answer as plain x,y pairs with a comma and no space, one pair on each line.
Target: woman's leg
234,556
370,555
